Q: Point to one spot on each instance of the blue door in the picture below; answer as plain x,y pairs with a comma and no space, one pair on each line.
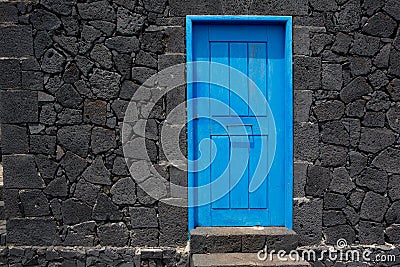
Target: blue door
239,123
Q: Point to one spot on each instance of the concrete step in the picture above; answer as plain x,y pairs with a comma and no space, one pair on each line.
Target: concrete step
241,239
242,260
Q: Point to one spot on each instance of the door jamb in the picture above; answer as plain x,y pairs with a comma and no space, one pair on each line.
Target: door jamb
287,21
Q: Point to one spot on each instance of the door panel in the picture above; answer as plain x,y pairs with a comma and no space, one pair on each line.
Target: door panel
239,136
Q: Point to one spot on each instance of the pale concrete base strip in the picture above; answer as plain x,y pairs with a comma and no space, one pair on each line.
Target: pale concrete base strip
241,260
232,231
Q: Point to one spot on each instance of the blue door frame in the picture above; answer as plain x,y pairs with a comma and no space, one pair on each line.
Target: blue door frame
287,155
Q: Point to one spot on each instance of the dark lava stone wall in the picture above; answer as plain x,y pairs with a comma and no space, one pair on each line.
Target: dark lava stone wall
70,68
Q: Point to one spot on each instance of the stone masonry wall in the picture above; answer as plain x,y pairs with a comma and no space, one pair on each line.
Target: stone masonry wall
69,71
70,68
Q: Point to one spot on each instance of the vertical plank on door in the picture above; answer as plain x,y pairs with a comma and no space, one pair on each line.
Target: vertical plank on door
258,74
220,171
258,163
219,78
239,178
239,90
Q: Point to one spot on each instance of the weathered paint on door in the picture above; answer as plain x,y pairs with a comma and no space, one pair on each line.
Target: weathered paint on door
257,51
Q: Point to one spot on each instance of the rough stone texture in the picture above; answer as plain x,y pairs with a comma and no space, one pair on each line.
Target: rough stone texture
307,146
20,107
334,201
82,233
348,18
47,167
144,237
393,117
360,65
57,187
73,165
387,160
23,174
102,140
105,84
282,7
100,10
34,203
329,110
44,20
75,139
393,234
11,74
332,218
123,191
86,192
307,73
394,89
334,132
35,231
105,210
14,139
302,103
394,62
356,108
44,144
365,45
53,61
128,23
309,221
332,77
91,256
393,187
375,180
355,89
380,25
123,44
333,156
172,225
95,111
19,41
393,213
378,102
299,179
357,162
8,12
143,217
74,211
374,207
374,139
102,56
70,68
318,180
342,43
341,181
97,173
67,96
333,234
113,234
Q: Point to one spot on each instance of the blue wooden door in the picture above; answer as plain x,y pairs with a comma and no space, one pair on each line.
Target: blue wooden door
240,130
